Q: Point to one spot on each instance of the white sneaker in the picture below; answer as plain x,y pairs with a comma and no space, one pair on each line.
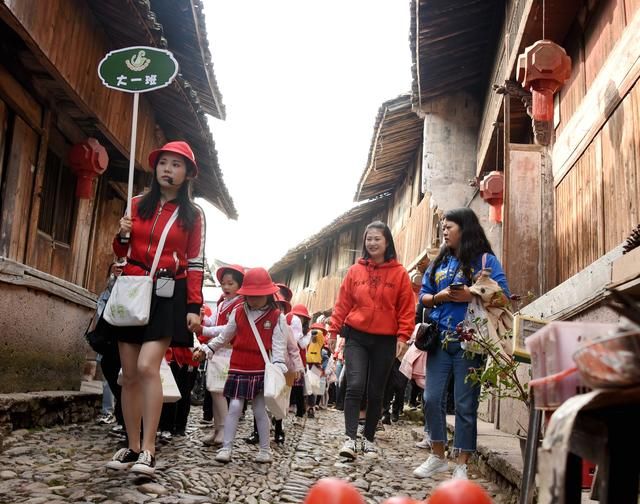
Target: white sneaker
425,444
360,431
460,472
223,455
369,449
348,449
432,466
263,456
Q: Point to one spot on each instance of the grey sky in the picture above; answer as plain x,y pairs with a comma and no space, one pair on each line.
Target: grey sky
302,82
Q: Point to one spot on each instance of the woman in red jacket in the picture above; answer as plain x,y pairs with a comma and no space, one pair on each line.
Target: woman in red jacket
172,319
374,312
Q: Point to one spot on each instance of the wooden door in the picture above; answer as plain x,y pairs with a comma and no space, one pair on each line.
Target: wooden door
16,190
51,247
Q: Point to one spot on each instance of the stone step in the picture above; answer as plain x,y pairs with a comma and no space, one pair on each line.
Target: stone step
28,410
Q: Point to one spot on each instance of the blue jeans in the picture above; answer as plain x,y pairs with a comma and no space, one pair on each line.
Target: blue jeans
441,365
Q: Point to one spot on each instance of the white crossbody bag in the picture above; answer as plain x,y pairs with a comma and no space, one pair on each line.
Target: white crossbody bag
276,392
130,300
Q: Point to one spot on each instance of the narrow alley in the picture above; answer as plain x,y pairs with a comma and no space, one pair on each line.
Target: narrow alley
66,464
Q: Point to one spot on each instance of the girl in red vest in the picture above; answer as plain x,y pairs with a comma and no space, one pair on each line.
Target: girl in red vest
298,319
246,369
172,319
230,279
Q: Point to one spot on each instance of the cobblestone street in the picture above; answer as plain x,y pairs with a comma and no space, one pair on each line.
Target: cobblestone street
66,464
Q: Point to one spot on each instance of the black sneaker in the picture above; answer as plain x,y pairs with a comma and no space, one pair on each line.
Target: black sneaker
395,417
145,465
311,413
253,438
386,419
123,459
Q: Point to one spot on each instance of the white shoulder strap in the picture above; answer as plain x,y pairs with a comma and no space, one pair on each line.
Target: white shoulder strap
263,351
163,238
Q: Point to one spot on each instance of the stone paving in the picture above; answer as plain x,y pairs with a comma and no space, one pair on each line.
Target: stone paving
66,464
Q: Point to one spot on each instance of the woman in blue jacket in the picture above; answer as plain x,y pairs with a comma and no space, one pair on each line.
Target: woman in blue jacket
445,290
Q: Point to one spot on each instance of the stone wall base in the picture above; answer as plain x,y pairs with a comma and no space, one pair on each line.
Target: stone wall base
44,409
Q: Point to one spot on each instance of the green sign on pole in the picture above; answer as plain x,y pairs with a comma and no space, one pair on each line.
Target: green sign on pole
138,69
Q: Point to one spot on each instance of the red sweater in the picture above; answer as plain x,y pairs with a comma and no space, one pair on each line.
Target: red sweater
375,299
188,246
246,357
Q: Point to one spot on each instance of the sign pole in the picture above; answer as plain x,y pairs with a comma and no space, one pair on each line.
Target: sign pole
132,151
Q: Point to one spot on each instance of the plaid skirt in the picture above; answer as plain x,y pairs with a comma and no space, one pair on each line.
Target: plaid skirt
243,386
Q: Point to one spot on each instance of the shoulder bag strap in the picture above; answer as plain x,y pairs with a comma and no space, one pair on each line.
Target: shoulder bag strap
263,351
163,238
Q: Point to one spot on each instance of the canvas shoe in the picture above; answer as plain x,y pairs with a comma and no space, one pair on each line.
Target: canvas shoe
369,449
360,431
146,464
432,466
425,444
460,472
124,458
223,455
263,456
348,449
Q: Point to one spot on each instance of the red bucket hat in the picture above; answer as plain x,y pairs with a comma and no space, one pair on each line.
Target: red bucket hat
223,269
257,282
301,311
280,299
178,147
320,327
285,291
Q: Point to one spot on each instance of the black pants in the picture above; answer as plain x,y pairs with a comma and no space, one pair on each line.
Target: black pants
368,358
298,398
415,395
110,365
207,407
175,415
394,391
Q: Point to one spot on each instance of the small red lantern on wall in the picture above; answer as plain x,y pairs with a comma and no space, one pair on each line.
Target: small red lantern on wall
88,161
492,191
542,69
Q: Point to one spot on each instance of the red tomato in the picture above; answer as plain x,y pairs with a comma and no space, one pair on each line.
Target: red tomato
459,491
333,491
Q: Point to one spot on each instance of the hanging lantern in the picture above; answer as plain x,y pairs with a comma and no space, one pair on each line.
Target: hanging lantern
542,69
88,160
492,191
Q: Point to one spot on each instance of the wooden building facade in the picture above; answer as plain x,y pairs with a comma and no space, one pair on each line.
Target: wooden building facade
572,185
55,249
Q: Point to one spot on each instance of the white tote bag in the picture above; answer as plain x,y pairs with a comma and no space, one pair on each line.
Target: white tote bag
170,390
275,384
315,382
130,301
218,370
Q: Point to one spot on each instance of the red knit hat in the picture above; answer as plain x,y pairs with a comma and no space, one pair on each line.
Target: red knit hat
177,147
257,282
301,311
281,300
224,269
285,291
320,327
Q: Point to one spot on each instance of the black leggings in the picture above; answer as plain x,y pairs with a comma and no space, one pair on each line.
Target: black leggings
368,359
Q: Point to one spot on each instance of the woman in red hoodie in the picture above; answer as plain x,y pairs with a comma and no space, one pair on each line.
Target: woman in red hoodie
374,312
174,316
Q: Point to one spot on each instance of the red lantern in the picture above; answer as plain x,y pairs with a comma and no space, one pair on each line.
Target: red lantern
88,160
542,69
333,491
492,191
459,491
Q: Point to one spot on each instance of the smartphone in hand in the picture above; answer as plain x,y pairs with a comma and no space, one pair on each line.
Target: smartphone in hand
456,286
